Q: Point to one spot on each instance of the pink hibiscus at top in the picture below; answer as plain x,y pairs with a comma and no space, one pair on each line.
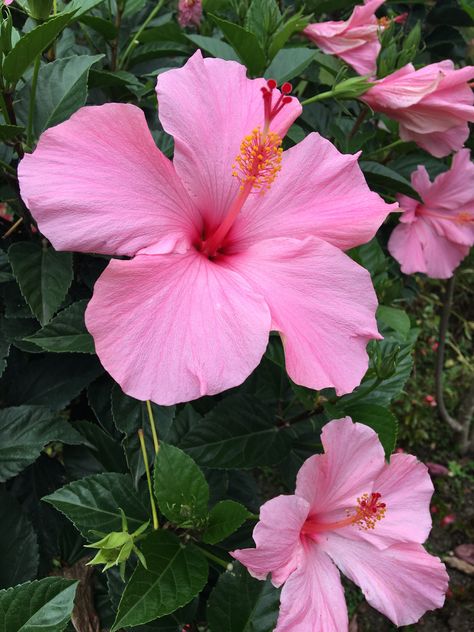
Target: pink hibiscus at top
434,236
230,240
433,105
189,12
7,2
352,510
356,40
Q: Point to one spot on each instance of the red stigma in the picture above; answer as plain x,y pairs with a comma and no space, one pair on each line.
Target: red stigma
272,84
286,88
271,110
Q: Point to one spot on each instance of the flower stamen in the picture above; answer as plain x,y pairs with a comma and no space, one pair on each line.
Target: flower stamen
259,160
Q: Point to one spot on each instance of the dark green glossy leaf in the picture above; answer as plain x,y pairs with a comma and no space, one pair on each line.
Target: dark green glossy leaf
288,63
9,132
245,44
382,177
224,518
214,47
66,332
175,574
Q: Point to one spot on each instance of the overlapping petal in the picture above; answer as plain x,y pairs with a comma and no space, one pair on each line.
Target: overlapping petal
321,302
209,106
402,581
353,458
319,192
312,600
174,327
98,183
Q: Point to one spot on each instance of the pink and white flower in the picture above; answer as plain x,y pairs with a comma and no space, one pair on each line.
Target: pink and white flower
233,238
189,12
353,511
355,40
433,104
435,235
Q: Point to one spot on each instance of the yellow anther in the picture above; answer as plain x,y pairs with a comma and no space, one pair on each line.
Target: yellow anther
259,160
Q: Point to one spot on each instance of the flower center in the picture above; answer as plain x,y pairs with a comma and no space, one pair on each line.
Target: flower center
257,164
461,217
368,511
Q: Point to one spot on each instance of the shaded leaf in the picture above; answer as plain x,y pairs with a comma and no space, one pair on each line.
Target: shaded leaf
288,63
244,43
214,47
224,518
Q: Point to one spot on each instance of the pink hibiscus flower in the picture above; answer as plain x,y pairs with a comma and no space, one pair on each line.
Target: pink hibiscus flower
354,511
433,105
230,240
435,236
189,12
356,40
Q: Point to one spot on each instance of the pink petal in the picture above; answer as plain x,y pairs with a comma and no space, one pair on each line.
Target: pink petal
403,88
319,192
420,181
98,183
365,13
364,58
402,581
312,600
418,248
209,105
171,328
277,536
406,489
321,302
438,144
353,458
453,189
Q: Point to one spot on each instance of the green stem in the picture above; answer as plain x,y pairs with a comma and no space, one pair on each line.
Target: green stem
320,97
396,143
31,111
214,558
135,38
153,427
3,107
148,478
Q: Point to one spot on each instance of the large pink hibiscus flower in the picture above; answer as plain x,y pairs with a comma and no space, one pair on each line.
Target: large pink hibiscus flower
352,510
433,237
230,240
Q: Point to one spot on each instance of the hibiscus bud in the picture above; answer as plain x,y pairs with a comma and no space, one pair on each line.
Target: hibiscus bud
385,365
436,469
351,88
40,9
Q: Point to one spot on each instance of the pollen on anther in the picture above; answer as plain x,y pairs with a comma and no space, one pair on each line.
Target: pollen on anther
369,511
258,162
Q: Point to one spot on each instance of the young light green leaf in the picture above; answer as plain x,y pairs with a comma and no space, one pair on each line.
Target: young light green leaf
31,45
93,504
396,319
44,277
224,518
24,431
44,605
175,574
66,332
180,487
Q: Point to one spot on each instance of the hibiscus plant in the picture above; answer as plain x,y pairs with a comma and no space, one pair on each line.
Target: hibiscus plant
215,217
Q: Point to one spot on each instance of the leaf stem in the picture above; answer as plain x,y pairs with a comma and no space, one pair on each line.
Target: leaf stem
148,478
31,111
135,38
227,565
153,427
376,152
320,97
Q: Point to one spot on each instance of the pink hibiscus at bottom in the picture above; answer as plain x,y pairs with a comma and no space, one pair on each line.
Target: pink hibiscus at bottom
351,510
433,104
356,41
233,238
434,236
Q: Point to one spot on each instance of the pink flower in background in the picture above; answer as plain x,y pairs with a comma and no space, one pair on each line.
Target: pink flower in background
230,240
433,105
355,41
435,235
353,511
189,12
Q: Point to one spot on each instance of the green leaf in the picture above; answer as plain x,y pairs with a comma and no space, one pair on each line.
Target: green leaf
131,414
66,332
18,543
254,610
224,518
379,419
44,277
24,431
244,43
93,503
107,29
240,432
175,574
295,24
214,47
180,487
4,350
396,319
44,605
8,132
288,63
80,7
262,19
31,45
64,90
380,176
